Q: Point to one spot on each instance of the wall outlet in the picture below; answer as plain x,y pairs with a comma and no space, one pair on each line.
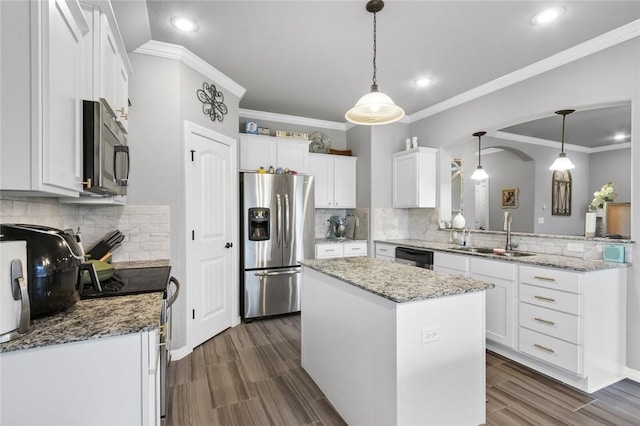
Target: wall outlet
541,220
576,247
430,334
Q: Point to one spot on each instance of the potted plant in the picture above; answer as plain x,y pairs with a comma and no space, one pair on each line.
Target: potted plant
605,194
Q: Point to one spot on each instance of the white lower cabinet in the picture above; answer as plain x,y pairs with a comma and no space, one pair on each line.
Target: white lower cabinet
500,300
108,381
386,252
341,249
453,264
574,321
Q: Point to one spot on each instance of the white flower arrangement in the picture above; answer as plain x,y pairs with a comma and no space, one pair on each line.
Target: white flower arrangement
605,194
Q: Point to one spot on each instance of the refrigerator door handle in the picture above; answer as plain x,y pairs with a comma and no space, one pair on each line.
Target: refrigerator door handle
271,274
287,222
278,219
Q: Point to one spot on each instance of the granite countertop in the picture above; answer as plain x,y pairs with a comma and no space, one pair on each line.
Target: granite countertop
92,319
538,259
397,282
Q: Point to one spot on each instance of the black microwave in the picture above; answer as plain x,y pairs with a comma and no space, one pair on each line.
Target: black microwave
105,150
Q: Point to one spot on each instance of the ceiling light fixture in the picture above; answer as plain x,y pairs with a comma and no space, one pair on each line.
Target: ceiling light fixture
184,24
547,15
479,173
563,162
374,107
422,82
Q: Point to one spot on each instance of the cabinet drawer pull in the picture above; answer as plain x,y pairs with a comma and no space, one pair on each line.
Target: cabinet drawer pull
329,249
382,249
544,321
544,348
546,299
537,277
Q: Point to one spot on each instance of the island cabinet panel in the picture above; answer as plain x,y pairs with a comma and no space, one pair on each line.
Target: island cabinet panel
107,381
501,300
386,363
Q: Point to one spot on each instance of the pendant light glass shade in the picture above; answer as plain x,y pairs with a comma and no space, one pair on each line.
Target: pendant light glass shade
563,162
479,173
375,107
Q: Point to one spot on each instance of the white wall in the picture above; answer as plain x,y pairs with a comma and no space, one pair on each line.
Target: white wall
163,96
607,77
611,166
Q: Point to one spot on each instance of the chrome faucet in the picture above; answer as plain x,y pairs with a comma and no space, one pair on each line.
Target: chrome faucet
506,226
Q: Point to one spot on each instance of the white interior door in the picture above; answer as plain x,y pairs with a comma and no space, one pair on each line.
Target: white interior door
212,188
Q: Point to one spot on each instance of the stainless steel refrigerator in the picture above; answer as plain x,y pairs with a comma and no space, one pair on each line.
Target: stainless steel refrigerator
277,231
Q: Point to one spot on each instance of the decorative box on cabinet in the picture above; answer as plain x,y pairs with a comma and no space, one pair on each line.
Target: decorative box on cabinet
41,95
414,178
263,151
335,180
500,300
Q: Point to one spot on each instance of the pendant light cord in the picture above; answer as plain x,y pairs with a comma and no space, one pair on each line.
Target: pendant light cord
479,150
564,117
375,81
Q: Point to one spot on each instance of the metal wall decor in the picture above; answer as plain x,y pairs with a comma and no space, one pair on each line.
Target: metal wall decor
212,102
561,193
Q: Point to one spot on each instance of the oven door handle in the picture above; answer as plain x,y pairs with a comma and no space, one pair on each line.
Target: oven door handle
174,296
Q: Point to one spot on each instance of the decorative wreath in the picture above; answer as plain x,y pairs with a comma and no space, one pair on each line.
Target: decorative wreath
212,102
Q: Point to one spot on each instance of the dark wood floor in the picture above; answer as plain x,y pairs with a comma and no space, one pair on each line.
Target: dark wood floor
251,375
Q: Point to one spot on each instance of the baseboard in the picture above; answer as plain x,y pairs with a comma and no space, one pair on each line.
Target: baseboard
633,374
180,353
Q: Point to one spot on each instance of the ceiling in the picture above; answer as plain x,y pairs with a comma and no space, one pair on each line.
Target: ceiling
314,58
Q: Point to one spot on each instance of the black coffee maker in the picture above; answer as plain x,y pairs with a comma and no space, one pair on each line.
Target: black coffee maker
54,260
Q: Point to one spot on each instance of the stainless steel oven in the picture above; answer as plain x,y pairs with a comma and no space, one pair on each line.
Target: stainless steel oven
105,150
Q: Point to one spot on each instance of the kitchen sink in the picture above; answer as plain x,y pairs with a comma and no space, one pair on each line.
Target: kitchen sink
488,250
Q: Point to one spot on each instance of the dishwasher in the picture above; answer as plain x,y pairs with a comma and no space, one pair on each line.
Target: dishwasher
415,257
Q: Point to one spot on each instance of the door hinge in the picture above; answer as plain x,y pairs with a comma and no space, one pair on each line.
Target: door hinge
193,313
193,235
192,153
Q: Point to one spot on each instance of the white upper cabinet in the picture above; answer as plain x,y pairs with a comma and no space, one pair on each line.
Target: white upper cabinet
42,78
263,151
335,180
105,65
414,178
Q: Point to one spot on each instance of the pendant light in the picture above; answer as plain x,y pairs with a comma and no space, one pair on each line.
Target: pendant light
375,107
563,162
479,173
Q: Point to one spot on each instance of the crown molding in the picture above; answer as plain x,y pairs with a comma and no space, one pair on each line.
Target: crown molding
291,119
553,144
190,59
589,47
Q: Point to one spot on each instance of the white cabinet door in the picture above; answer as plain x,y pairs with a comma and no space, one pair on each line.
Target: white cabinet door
500,300
108,63
414,178
256,152
454,264
321,167
386,252
293,155
122,94
60,106
329,250
344,182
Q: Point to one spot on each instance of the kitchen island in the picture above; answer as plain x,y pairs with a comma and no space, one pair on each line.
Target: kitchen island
392,344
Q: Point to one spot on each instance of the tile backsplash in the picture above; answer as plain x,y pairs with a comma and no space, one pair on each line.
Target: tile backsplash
146,228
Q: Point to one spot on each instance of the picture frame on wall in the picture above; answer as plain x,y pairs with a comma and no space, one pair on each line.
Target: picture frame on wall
509,198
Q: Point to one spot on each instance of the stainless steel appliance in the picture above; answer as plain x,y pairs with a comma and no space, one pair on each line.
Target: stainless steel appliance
277,231
145,280
415,257
105,150
54,263
14,297
337,228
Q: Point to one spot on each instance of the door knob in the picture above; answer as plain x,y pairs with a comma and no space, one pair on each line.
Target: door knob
228,245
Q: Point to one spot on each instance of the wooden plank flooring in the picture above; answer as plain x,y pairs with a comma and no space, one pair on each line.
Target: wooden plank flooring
251,375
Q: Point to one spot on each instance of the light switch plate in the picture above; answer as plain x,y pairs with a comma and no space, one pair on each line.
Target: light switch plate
575,247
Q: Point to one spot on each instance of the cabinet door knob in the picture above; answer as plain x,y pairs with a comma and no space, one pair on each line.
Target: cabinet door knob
228,245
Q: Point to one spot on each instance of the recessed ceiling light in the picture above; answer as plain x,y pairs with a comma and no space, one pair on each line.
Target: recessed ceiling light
547,15
619,137
422,82
184,24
